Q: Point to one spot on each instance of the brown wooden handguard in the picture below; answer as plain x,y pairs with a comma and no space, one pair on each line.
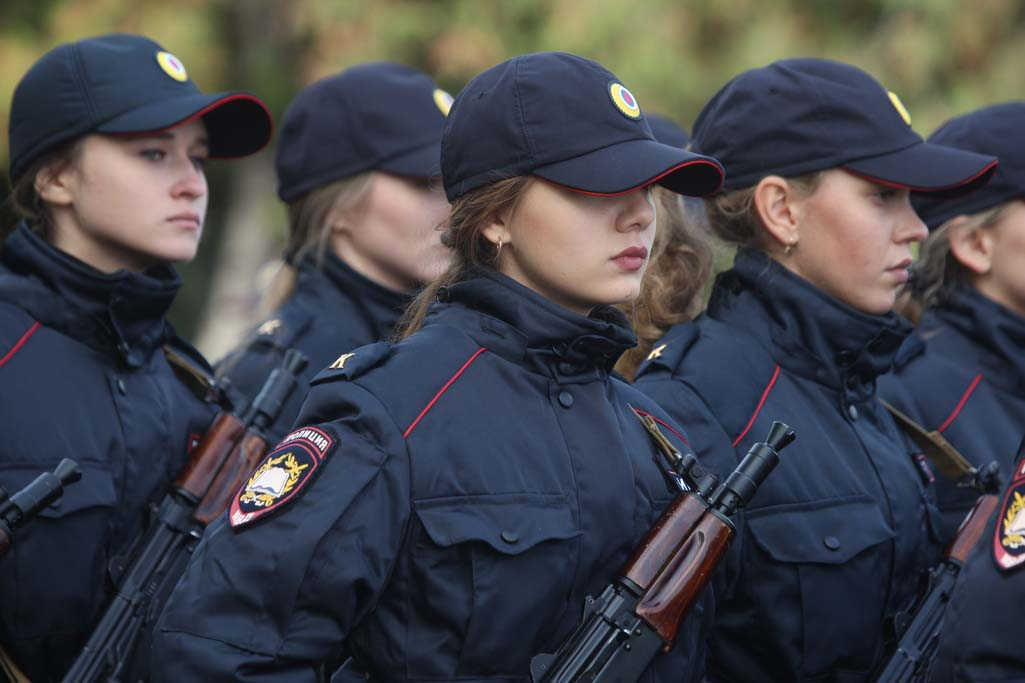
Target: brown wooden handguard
209,456
972,528
240,464
684,576
669,532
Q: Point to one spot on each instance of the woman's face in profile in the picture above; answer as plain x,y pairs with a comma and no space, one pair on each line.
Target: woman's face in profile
855,240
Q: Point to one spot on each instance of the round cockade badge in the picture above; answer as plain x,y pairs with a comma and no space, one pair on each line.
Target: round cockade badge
624,100
172,66
899,106
443,100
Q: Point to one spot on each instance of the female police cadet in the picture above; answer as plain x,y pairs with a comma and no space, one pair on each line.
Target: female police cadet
447,501
820,161
108,140
355,160
963,373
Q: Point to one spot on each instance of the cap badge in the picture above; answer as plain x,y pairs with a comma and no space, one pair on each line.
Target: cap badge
899,106
443,100
624,101
172,66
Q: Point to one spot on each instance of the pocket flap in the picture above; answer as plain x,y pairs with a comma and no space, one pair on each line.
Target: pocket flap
824,532
94,489
509,524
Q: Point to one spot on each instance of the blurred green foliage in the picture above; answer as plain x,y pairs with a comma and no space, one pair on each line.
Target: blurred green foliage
942,57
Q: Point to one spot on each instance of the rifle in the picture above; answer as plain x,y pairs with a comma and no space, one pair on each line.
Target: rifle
640,612
18,509
920,633
228,453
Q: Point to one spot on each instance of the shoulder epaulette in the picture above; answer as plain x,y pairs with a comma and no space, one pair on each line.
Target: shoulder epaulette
670,350
352,364
281,330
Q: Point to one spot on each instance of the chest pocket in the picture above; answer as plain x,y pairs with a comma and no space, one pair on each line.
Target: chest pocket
58,561
823,573
478,558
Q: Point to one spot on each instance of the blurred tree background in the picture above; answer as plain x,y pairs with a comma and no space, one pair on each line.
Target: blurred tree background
943,57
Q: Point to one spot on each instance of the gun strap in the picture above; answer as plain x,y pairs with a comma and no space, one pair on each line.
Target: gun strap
193,375
10,670
951,464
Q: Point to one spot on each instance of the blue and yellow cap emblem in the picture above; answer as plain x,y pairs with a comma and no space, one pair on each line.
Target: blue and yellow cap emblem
443,100
899,106
172,66
624,100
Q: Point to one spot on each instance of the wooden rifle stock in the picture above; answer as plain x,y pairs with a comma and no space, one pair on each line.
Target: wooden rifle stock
210,455
972,528
244,459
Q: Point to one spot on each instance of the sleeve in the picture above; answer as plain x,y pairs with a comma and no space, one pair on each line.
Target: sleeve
713,448
274,596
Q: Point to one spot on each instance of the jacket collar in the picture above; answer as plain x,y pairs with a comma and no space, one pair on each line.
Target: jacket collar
379,306
996,332
524,326
122,311
812,333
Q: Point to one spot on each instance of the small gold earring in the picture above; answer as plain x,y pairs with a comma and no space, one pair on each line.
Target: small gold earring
789,247
498,249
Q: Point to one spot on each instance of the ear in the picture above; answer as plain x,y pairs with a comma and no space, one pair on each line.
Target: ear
55,183
971,245
775,203
496,228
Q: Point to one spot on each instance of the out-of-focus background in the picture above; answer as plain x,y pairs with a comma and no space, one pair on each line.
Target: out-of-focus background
942,57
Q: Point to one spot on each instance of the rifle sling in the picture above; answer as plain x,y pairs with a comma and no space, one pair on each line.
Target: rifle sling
11,672
951,464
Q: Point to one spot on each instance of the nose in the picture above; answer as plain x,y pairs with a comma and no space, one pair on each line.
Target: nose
191,181
912,229
638,211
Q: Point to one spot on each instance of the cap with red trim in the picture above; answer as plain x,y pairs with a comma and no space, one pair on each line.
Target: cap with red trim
797,116
996,130
123,84
568,120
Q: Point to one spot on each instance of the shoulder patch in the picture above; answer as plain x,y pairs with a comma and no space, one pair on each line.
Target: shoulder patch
352,364
1009,536
281,476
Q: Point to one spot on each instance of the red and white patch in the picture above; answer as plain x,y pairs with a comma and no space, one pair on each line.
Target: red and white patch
1009,536
281,475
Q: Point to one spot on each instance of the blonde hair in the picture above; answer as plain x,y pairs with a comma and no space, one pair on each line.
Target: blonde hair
464,235
937,269
681,264
309,230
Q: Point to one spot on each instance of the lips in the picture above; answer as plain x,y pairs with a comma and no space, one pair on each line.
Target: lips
631,258
185,218
632,252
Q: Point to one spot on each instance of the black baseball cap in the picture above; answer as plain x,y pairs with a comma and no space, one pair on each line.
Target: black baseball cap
797,116
377,116
568,120
123,84
667,131
995,130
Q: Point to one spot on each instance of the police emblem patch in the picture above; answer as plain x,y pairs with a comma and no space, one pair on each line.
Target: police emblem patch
281,475
172,66
443,100
624,100
1009,537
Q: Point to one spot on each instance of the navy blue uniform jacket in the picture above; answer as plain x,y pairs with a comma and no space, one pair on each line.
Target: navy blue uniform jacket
981,640
334,310
479,479
963,375
833,542
84,376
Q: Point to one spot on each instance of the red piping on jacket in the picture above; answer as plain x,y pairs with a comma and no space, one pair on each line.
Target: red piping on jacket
442,391
21,342
765,395
679,436
960,404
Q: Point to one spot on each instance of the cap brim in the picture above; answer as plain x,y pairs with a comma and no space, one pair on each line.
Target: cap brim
627,166
424,162
929,168
237,124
